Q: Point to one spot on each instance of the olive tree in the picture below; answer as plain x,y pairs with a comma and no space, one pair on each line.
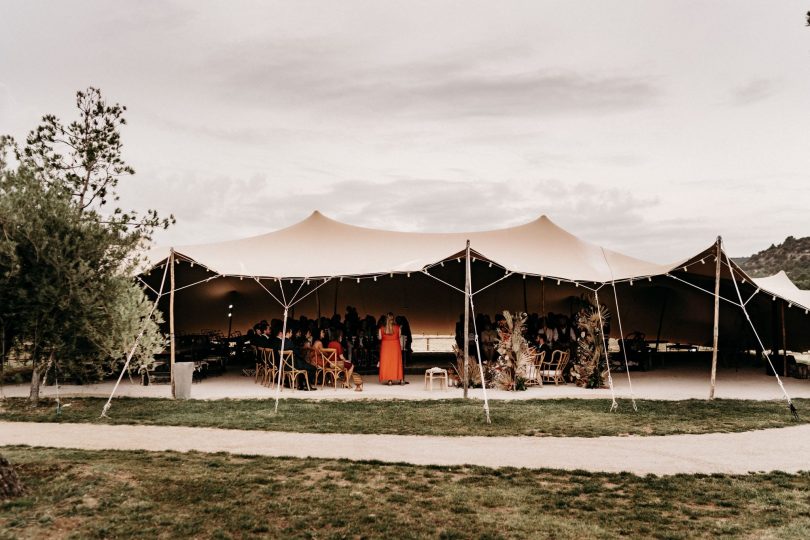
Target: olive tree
67,260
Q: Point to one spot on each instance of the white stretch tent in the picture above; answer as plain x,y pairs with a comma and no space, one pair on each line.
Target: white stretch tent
537,266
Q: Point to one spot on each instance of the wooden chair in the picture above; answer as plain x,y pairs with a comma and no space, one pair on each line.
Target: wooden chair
534,371
289,370
269,370
259,374
553,369
329,364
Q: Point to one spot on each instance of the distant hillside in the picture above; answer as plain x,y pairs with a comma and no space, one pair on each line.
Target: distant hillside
792,256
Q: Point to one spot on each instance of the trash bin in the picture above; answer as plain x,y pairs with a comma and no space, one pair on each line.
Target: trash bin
183,374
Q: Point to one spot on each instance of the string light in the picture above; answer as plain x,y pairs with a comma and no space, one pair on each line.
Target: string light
341,278
524,276
541,278
490,265
358,280
391,275
409,274
649,278
774,298
685,269
702,261
473,259
576,283
375,278
442,263
558,282
631,282
192,265
458,260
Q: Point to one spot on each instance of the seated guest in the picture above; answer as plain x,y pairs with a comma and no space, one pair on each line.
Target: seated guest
337,337
542,346
297,361
262,338
314,350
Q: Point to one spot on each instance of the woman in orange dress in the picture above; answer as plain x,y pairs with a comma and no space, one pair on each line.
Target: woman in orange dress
390,352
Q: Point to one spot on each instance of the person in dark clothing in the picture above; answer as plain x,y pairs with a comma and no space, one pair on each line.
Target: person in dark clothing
297,361
542,346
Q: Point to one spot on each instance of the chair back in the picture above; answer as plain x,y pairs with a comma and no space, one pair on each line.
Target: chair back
539,357
563,361
267,356
287,359
328,357
556,357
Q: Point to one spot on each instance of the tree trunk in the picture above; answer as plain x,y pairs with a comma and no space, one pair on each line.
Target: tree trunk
37,376
33,394
10,485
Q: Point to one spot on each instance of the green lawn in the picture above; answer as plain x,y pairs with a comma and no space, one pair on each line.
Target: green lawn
86,494
560,418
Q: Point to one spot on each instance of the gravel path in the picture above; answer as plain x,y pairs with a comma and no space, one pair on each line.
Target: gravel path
784,449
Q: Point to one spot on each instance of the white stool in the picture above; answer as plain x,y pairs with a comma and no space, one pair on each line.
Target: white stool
436,373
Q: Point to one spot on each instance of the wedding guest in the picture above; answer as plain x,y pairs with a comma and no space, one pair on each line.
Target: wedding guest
390,352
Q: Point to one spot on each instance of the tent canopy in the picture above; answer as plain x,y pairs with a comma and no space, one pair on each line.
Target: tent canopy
672,301
537,248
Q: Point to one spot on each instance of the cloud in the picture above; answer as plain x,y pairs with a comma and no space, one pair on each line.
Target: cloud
753,91
314,74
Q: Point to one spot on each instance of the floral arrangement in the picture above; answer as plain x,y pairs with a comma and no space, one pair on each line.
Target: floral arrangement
514,353
473,373
588,366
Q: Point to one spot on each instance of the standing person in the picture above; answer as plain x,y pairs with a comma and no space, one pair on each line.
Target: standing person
390,352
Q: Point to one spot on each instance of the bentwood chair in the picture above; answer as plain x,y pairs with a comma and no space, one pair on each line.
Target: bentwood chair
553,369
269,369
328,364
535,369
291,372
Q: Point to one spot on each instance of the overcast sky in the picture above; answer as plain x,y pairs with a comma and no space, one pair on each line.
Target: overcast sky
646,126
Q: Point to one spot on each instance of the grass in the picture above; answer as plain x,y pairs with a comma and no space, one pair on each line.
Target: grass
90,494
559,418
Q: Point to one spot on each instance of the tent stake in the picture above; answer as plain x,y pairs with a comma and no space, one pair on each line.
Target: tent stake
716,330
466,333
171,321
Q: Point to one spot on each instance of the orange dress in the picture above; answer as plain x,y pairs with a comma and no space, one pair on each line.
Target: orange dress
390,356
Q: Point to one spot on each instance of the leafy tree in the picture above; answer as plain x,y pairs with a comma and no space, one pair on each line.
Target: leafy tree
67,297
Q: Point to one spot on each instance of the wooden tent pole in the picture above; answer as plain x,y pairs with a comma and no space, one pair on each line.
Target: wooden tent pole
784,342
660,321
337,287
171,320
543,300
716,331
525,298
466,330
